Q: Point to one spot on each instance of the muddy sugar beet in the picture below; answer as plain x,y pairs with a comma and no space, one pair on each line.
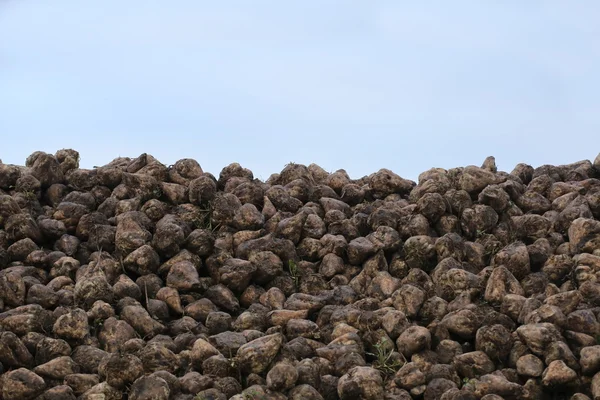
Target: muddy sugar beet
137,280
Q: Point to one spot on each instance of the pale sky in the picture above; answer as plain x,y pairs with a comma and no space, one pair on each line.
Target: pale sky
358,85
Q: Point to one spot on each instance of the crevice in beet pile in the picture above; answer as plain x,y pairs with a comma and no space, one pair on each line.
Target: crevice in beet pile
137,280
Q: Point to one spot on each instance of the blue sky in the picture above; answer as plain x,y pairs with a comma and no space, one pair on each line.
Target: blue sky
404,85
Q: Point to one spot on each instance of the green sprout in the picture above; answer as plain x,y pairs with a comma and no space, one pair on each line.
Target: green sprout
384,362
294,271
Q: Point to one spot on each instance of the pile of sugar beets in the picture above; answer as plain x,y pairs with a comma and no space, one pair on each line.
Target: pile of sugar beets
137,280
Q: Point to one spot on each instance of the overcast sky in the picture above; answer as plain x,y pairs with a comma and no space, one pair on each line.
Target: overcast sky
358,85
